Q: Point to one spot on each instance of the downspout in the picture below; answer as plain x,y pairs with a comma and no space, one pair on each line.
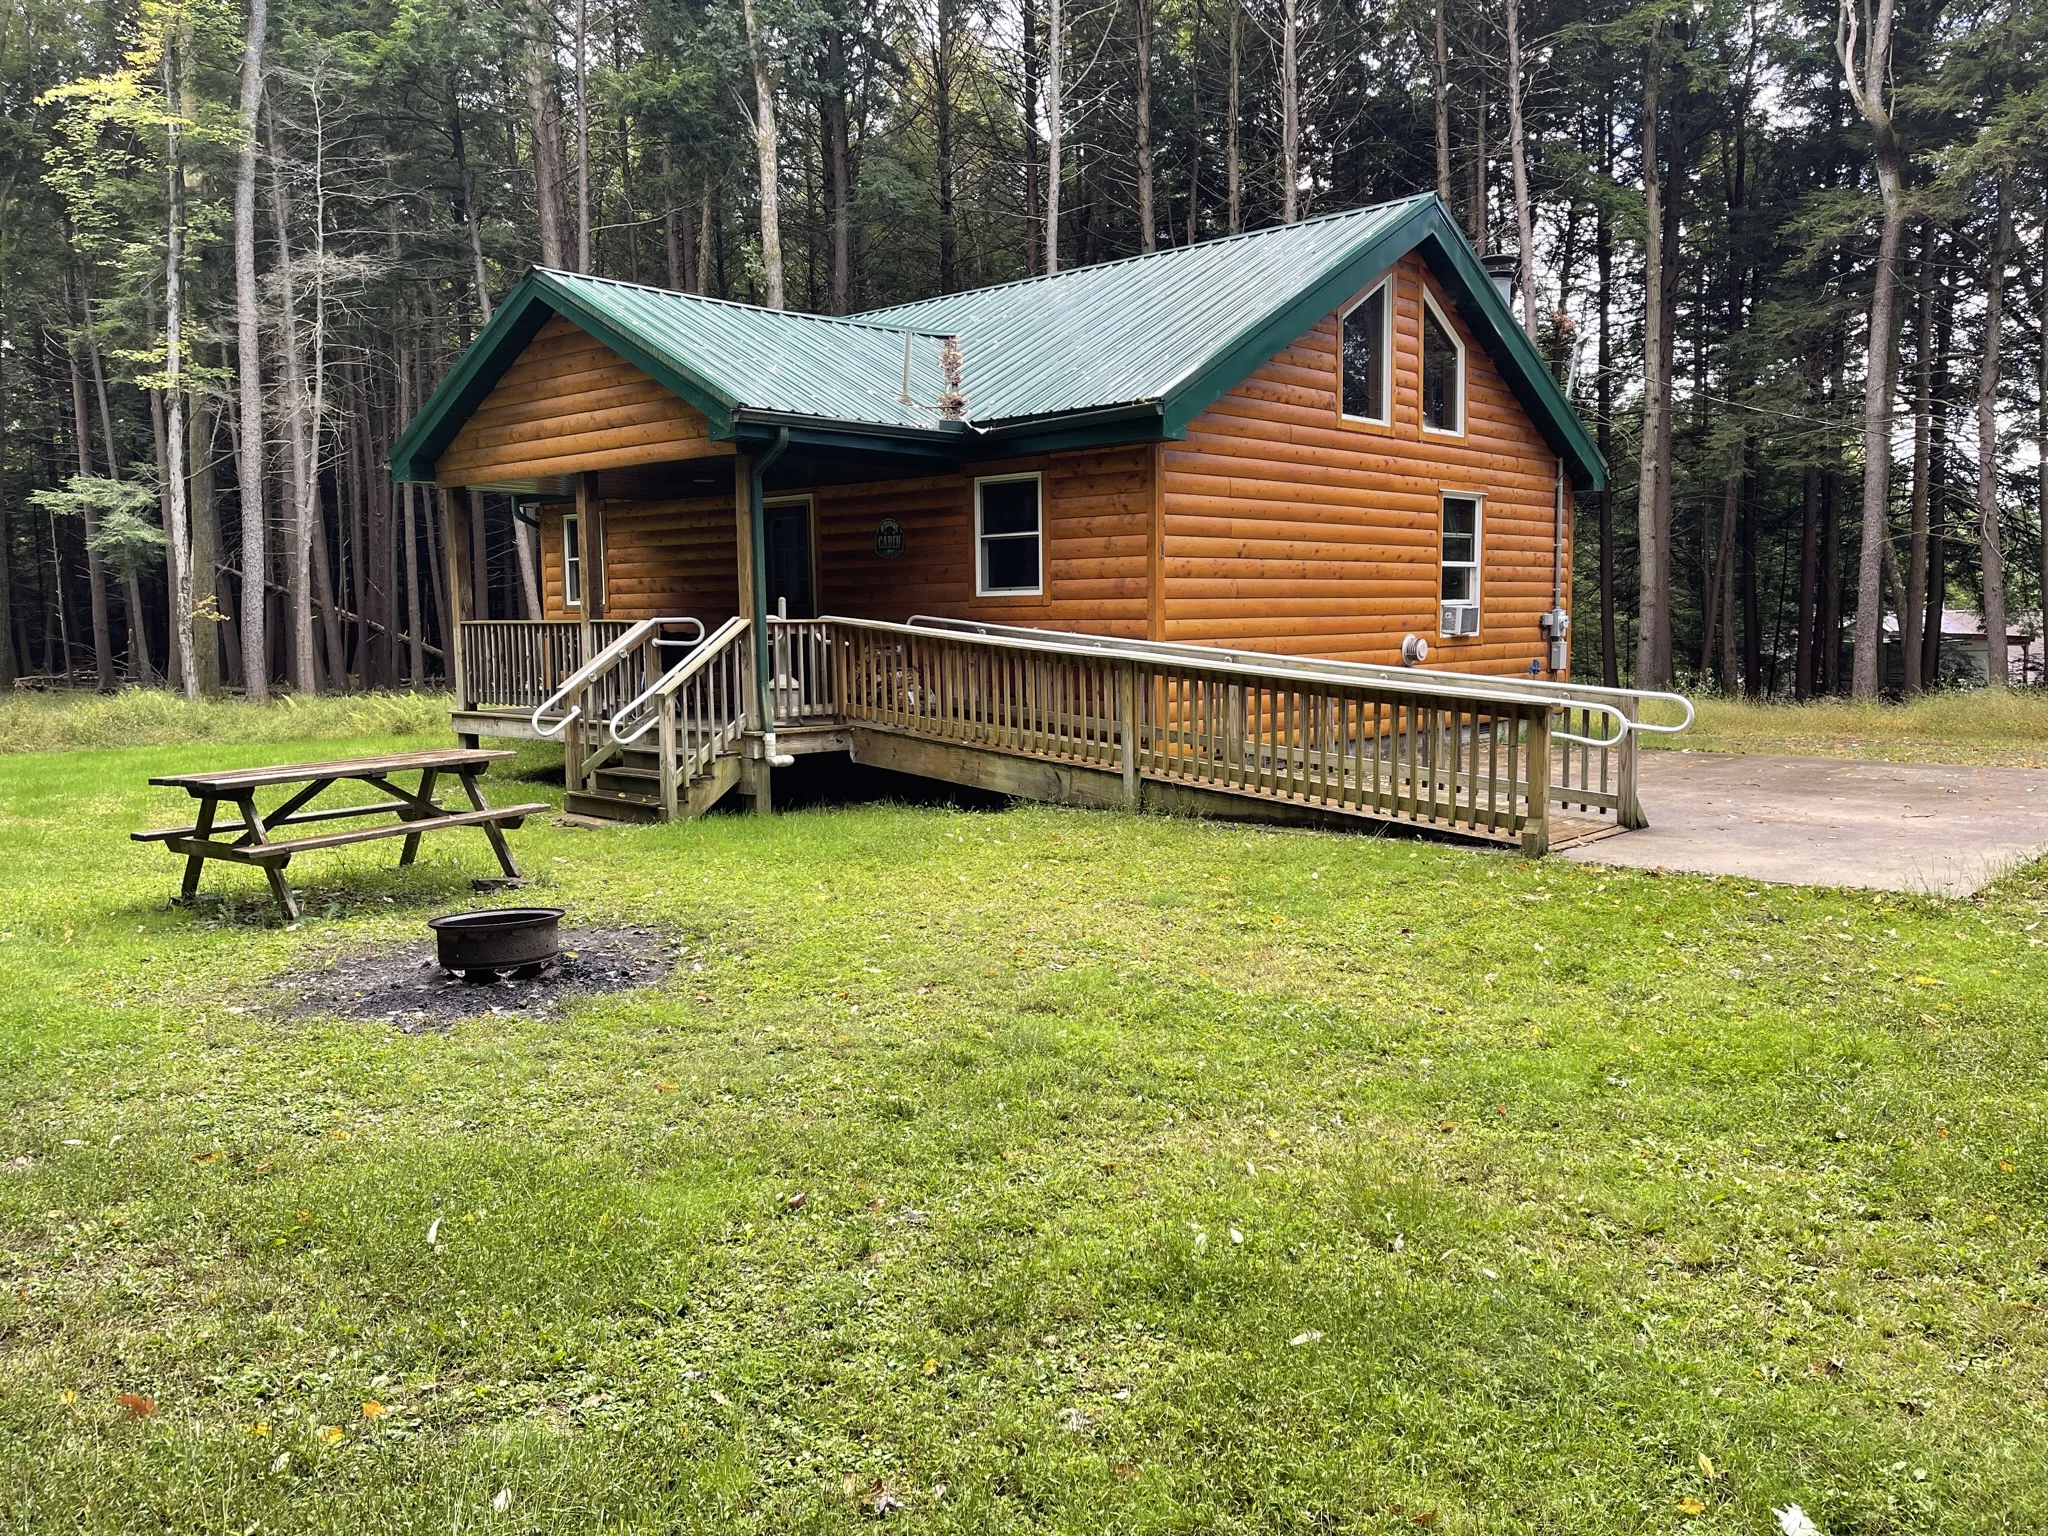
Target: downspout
1557,623
764,689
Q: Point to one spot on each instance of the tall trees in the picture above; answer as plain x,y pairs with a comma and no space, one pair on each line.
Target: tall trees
837,154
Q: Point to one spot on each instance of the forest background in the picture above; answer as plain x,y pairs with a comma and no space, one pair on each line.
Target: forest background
1784,255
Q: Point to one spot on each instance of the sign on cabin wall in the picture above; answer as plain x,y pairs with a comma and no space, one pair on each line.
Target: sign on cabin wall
889,539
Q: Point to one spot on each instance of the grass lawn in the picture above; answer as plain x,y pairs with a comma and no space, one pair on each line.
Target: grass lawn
2009,729
1158,1176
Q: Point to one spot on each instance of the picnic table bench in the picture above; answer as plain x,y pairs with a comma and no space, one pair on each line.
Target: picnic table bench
253,839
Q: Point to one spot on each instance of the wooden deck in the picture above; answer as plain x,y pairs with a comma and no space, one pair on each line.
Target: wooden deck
1046,716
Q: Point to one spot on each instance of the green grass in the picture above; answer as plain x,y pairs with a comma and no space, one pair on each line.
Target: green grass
1563,1178
2009,728
152,717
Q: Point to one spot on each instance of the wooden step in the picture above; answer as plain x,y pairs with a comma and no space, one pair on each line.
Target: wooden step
604,806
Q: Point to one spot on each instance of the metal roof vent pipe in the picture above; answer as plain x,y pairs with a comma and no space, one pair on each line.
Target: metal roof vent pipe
1501,267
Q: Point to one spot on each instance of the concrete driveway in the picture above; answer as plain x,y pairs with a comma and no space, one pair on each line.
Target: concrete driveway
1820,821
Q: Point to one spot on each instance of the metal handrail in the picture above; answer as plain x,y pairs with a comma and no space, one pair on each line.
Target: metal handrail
590,671
1524,689
674,678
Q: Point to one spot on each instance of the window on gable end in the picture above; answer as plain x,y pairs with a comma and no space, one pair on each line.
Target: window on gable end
1366,351
1443,372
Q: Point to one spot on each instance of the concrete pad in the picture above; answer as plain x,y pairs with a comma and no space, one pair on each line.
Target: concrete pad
1821,821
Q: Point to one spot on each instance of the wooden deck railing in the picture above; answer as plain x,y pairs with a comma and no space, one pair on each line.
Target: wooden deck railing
1478,755
512,664
1432,754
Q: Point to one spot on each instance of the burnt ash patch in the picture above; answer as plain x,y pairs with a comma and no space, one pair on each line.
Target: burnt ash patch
406,988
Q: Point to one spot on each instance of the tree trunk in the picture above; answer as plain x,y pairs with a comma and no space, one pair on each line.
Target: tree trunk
942,144
1195,125
301,435
1603,387
767,161
1148,225
1863,44
1290,111
1809,583
1525,230
1440,88
10,656
177,522
550,176
1232,155
1912,617
1998,660
1034,72
838,194
249,372
2040,452
206,636
95,573
1653,641
1055,109
466,180
582,136
1937,485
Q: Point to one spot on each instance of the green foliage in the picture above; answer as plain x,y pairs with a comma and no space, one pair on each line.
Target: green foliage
125,536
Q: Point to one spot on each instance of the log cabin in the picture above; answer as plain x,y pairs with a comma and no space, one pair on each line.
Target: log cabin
1327,442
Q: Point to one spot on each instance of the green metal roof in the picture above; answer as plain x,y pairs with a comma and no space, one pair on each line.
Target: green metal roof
1128,350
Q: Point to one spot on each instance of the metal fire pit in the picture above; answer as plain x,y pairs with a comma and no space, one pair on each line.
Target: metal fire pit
481,946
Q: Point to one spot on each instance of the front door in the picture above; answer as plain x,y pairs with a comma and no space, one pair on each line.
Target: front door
792,589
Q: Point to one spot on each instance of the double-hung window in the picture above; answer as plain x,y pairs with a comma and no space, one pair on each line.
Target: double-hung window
1009,556
1368,357
1459,557
1443,371
572,560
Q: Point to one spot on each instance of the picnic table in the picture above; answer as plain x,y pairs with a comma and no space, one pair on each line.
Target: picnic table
253,839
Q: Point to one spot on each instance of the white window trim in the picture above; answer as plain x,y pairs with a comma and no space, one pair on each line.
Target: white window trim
1384,292
1477,602
1422,363
571,522
1037,588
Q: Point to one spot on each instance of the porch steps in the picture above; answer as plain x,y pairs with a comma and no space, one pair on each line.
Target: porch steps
633,793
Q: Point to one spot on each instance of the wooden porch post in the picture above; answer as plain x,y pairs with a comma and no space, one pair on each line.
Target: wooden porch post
756,774
460,605
1536,830
1127,730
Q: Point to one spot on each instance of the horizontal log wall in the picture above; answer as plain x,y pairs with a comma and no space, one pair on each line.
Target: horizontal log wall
1097,516
662,558
1290,529
570,403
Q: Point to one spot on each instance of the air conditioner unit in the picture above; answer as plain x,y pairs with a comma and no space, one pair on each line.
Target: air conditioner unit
1459,619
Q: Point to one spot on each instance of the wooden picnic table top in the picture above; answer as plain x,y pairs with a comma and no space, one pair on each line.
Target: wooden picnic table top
451,759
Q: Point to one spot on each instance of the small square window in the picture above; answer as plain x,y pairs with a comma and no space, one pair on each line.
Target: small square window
572,561
1443,372
1008,553
1365,357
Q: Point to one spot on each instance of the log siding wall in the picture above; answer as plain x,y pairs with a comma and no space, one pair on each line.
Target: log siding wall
681,557
1289,528
570,403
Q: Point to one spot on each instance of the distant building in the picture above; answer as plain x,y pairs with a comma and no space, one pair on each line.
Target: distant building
1962,661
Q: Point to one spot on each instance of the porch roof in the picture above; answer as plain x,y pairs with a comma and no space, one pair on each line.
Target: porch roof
1126,350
